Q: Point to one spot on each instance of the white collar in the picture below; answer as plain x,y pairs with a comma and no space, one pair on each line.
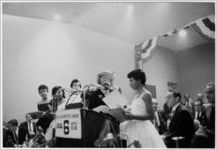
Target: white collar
174,107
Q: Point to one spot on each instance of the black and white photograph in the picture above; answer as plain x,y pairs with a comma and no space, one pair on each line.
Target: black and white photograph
114,74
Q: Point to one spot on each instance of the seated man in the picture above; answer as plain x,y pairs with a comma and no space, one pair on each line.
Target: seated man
13,134
159,117
181,127
28,129
199,113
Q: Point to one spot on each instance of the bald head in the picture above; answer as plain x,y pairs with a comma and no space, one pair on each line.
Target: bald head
154,104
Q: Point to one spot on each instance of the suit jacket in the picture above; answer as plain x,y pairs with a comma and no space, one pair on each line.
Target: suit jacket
11,139
162,119
181,125
24,131
202,118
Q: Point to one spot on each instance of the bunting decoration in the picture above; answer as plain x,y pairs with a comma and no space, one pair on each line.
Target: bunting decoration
143,51
204,26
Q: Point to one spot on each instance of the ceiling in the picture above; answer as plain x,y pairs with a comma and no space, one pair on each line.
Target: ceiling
130,22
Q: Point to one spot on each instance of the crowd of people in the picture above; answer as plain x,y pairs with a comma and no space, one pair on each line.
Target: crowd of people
183,123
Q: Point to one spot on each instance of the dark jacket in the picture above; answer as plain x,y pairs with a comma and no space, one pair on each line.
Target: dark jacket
181,125
24,132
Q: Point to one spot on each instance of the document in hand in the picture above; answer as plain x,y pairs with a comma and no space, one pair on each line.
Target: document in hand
117,113
115,100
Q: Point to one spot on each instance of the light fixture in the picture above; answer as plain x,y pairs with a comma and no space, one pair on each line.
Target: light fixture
57,17
182,33
130,8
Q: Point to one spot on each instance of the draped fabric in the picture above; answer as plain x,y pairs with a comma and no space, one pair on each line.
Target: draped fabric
143,51
205,27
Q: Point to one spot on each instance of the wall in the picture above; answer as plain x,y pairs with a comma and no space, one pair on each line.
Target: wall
160,69
43,52
37,51
196,68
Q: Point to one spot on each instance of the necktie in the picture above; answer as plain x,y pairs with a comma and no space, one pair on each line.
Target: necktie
29,124
196,115
15,137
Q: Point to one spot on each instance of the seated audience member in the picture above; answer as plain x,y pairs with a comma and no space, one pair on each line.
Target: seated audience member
44,103
28,129
188,102
199,112
12,134
205,136
167,110
200,97
181,126
159,117
210,111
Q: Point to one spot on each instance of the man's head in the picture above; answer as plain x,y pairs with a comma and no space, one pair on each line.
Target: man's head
137,78
75,84
154,104
210,92
187,97
13,124
43,90
200,96
174,98
198,104
28,118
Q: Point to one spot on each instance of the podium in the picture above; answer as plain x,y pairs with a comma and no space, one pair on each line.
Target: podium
91,126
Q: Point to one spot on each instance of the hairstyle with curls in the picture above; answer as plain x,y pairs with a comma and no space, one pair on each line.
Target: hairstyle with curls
138,75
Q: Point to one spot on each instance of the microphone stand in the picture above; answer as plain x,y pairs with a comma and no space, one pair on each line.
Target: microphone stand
84,109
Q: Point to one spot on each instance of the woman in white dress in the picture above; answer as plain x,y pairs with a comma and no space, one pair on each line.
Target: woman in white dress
139,130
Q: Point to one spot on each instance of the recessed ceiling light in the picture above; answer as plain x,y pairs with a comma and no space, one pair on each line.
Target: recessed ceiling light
57,17
182,33
130,8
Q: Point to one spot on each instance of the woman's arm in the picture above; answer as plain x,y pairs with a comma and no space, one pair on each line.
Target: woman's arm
147,98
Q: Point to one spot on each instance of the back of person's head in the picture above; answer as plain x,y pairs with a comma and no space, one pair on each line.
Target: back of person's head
13,122
42,87
73,82
138,75
199,100
177,94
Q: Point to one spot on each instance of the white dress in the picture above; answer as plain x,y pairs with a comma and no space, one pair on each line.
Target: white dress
140,133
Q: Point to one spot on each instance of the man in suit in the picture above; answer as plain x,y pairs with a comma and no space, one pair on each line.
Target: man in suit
199,112
12,134
188,102
181,127
210,112
159,117
27,129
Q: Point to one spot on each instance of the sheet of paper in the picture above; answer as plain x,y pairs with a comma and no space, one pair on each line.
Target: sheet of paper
115,100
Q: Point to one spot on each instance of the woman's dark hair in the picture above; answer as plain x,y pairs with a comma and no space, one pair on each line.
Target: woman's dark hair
73,82
138,75
55,89
42,87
